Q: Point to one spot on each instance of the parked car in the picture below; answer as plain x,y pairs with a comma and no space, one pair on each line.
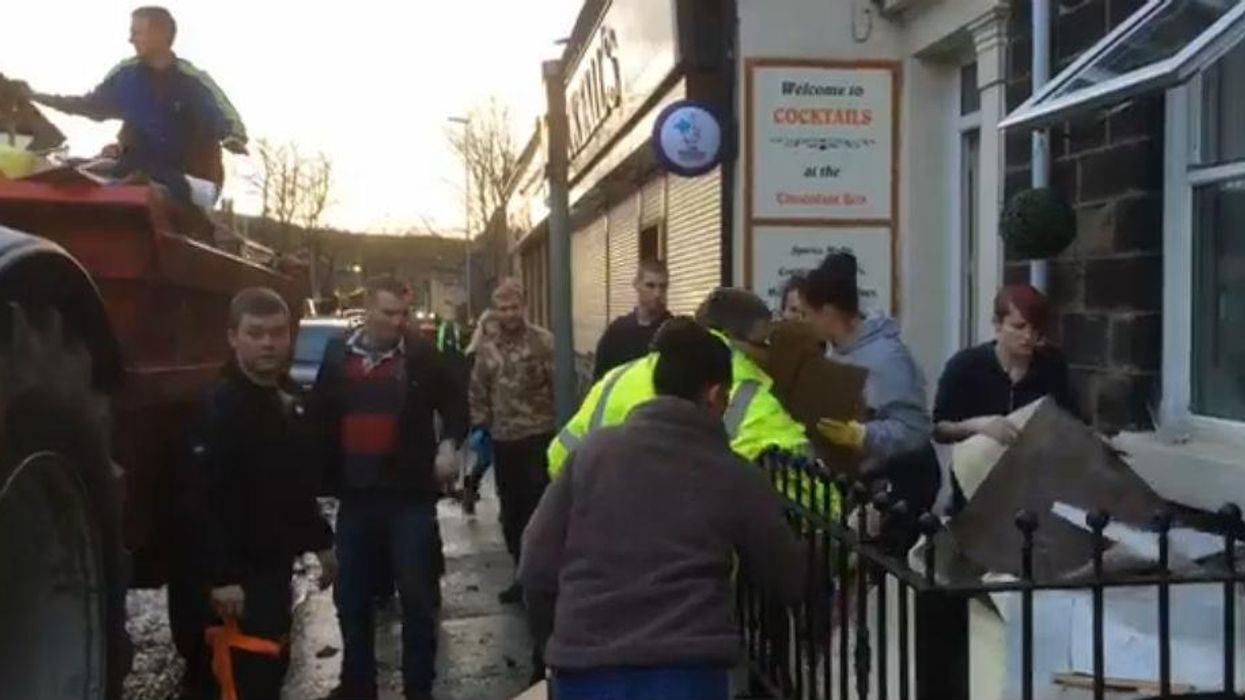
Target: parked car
313,336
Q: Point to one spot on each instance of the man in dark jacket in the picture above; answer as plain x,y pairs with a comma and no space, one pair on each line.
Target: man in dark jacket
379,391
629,337
246,501
639,598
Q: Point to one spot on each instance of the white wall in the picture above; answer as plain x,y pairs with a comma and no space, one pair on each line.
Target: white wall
927,241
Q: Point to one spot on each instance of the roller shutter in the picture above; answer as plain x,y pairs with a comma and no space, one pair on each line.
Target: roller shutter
693,239
653,201
624,255
588,300
535,277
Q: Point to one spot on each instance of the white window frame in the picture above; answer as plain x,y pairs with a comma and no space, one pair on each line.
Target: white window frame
1181,177
1044,110
961,126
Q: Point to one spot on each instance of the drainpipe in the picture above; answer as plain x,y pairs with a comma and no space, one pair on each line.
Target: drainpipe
1040,70
559,243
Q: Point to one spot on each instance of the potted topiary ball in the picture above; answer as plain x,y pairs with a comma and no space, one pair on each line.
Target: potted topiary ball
1037,224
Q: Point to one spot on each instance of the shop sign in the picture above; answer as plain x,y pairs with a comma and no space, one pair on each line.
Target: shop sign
597,90
687,138
822,141
628,56
782,252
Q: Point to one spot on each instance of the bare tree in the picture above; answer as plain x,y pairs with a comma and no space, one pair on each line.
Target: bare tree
295,190
316,191
487,148
314,198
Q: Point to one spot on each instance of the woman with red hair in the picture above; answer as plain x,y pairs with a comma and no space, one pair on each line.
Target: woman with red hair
983,384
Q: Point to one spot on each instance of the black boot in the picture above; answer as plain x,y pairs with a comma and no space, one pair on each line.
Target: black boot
512,595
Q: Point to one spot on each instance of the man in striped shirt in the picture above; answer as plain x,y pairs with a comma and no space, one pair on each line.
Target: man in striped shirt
380,391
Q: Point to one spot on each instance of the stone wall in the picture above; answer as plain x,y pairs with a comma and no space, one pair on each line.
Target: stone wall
1108,285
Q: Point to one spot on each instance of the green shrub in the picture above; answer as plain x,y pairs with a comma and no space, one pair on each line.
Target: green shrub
1038,223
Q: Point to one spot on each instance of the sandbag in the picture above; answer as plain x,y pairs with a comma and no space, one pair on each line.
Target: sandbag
1056,459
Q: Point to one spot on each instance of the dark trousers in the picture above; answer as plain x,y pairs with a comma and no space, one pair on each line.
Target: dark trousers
668,683
385,579
521,469
522,473
914,478
408,524
189,617
267,616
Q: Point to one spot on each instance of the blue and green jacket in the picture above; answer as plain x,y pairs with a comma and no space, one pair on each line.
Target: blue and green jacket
166,112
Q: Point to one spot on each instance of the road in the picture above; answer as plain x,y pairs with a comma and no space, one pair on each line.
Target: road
484,647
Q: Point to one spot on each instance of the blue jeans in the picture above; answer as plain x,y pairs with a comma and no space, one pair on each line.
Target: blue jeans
667,683
408,525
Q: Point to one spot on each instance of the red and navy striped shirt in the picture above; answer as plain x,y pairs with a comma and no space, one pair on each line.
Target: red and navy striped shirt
374,396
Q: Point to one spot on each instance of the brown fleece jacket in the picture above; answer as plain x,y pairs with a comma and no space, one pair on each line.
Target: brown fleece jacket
636,539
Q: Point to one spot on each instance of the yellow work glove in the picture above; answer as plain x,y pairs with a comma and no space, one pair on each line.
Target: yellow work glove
849,434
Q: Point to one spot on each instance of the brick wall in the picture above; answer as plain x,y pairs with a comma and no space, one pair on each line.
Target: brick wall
1107,286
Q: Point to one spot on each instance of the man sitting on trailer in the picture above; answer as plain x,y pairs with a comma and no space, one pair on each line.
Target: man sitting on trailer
175,117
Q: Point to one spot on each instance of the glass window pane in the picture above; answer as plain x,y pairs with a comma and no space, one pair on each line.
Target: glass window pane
1219,301
1223,109
970,96
969,199
311,342
1159,38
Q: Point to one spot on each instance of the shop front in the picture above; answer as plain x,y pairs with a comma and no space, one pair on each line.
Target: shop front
625,63
872,127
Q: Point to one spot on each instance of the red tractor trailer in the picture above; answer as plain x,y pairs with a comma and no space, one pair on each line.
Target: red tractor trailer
112,325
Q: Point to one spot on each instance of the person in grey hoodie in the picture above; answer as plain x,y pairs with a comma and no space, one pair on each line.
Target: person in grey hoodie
628,558
895,438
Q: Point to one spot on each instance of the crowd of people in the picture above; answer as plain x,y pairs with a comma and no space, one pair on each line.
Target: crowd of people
625,525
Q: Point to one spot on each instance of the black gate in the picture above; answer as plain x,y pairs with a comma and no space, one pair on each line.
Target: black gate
843,642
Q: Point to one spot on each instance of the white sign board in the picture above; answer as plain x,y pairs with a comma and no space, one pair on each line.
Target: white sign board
779,253
822,142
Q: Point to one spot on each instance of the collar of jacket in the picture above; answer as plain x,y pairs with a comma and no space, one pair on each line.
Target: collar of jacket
672,410
743,366
232,371
356,345
655,322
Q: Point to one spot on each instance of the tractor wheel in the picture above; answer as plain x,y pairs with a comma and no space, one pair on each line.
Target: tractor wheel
62,566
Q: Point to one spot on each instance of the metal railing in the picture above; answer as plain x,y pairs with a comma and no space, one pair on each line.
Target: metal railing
843,643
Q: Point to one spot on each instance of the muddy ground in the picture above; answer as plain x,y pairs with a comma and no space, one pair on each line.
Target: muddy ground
484,647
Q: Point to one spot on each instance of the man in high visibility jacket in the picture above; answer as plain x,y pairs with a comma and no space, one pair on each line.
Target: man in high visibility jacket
448,336
755,421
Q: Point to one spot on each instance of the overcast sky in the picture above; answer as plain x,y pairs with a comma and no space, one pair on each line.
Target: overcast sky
369,82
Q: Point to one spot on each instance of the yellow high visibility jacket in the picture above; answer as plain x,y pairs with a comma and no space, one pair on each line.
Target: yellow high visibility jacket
755,421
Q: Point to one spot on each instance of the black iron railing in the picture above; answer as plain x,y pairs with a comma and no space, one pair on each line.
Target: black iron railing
841,643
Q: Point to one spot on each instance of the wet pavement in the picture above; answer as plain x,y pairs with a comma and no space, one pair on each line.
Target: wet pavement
484,647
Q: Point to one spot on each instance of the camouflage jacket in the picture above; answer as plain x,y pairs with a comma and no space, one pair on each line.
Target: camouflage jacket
512,384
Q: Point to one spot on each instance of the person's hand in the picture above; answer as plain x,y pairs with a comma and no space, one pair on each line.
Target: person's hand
849,434
233,144
446,462
996,428
112,151
229,602
328,568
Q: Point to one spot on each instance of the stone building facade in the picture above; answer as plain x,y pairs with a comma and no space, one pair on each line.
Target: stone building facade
1107,286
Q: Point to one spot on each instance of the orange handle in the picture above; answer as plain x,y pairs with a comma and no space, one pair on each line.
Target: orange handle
223,639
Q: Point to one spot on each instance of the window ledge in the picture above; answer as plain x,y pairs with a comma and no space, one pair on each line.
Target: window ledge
1203,472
